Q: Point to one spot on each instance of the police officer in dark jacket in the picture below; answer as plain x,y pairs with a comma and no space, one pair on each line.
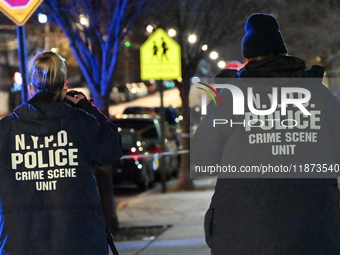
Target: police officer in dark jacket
272,216
48,194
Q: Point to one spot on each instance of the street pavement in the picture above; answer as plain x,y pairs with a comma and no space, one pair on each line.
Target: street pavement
182,211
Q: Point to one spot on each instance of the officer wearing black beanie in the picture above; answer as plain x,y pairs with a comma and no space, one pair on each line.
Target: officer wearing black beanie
255,214
262,36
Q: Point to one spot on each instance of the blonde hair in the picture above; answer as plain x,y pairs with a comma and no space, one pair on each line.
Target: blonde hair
49,73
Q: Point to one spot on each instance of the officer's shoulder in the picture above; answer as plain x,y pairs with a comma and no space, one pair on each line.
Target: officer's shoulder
6,123
81,115
227,73
315,71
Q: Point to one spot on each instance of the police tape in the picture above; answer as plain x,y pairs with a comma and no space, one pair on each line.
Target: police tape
154,155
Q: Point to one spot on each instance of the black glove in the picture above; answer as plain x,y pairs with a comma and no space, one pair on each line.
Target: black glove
73,93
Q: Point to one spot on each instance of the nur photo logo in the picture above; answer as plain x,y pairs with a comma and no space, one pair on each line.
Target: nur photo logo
211,92
239,99
284,105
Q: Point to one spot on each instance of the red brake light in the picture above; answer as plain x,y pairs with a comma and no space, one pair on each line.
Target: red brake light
133,151
155,150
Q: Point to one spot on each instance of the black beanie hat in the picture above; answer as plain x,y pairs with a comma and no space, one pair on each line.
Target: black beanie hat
262,36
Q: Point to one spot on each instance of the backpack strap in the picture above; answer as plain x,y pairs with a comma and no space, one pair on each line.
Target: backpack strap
316,71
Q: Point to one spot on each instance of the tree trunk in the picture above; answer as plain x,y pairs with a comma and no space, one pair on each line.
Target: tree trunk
101,102
184,181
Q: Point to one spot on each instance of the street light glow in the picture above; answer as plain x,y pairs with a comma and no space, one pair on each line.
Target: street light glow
83,20
192,38
18,78
42,18
213,55
221,64
172,32
204,47
149,28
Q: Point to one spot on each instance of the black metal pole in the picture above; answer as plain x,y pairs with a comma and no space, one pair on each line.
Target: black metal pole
22,51
163,168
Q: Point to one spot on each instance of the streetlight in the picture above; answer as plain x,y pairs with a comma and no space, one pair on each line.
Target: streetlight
42,18
221,64
192,38
204,47
213,55
172,32
84,20
149,28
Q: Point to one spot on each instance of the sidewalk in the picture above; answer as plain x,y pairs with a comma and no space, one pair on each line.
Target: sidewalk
182,211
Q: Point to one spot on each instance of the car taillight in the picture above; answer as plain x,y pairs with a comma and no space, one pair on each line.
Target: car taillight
155,150
133,151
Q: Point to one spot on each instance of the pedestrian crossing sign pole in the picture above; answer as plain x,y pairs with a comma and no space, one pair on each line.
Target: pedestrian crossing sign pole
160,57
19,11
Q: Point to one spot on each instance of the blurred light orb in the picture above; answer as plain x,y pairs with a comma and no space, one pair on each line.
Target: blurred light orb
149,28
42,18
204,47
84,20
195,79
213,55
172,32
192,38
221,64
17,78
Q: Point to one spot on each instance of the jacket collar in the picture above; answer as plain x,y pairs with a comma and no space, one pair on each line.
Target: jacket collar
42,106
276,67
42,97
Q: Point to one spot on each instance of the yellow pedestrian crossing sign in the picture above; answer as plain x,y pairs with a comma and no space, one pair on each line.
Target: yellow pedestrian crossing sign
160,57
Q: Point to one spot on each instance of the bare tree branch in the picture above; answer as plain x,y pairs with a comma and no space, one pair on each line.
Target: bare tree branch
96,44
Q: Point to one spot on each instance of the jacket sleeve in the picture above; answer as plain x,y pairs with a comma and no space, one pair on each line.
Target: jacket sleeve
108,144
206,147
207,144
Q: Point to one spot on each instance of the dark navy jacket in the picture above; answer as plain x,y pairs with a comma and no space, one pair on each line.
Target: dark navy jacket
272,216
49,198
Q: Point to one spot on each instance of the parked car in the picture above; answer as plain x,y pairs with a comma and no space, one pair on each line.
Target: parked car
137,89
153,86
172,118
148,127
135,170
118,95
